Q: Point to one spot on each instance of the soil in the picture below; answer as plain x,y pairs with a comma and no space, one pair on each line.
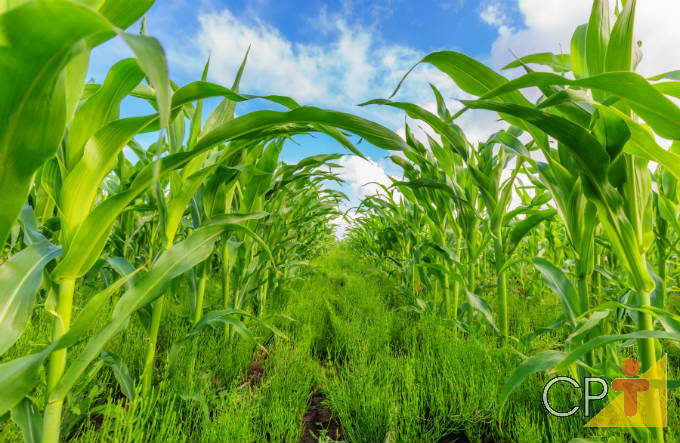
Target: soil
254,375
454,437
318,419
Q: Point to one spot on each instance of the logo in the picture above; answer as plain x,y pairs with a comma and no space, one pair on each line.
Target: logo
638,401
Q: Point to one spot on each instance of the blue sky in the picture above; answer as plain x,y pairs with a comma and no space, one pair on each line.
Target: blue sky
339,54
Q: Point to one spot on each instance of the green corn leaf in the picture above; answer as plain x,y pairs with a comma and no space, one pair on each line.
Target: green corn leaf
577,55
580,351
523,227
180,200
82,184
672,75
610,130
451,133
470,75
557,62
122,13
101,107
202,89
151,59
597,37
590,154
479,304
225,110
661,114
39,40
620,47
18,377
253,122
27,416
123,268
121,373
20,279
561,286
537,363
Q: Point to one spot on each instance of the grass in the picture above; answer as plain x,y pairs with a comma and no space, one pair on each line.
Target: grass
385,375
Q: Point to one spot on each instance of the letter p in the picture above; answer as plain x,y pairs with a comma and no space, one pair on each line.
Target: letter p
587,394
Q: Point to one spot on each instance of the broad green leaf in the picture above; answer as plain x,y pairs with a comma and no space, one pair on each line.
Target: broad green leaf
578,52
597,37
561,286
642,143
101,108
39,39
587,150
123,268
557,62
225,110
470,75
449,132
479,304
610,130
179,200
122,13
27,416
580,351
20,279
661,114
121,373
672,75
523,227
202,89
18,377
537,363
80,187
256,121
620,47
151,59
197,116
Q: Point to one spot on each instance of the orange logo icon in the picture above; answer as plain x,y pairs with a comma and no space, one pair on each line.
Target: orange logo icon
630,386
641,402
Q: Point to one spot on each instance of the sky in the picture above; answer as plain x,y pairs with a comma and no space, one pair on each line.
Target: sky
339,54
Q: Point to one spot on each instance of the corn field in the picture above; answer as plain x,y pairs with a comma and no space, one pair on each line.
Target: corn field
194,289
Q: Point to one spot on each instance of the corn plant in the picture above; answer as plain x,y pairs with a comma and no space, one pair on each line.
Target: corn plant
485,170
608,147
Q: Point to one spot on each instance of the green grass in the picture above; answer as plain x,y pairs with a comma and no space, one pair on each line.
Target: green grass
386,374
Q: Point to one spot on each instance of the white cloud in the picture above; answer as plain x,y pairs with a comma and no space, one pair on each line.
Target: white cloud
549,24
493,15
350,69
363,176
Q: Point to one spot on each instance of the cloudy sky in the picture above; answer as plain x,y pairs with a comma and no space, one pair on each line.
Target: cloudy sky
339,54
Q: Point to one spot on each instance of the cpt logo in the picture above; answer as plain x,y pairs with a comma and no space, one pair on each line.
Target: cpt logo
641,401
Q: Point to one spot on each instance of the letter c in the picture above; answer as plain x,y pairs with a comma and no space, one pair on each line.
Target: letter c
546,404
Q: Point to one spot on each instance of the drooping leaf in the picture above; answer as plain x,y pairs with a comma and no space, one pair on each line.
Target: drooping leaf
20,279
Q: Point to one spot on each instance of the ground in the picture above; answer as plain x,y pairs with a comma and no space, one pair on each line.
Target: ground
353,367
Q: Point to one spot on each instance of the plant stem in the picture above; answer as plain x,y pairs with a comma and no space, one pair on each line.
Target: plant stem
226,276
198,312
661,269
57,364
447,296
583,297
265,287
647,352
501,286
147,375
597,278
